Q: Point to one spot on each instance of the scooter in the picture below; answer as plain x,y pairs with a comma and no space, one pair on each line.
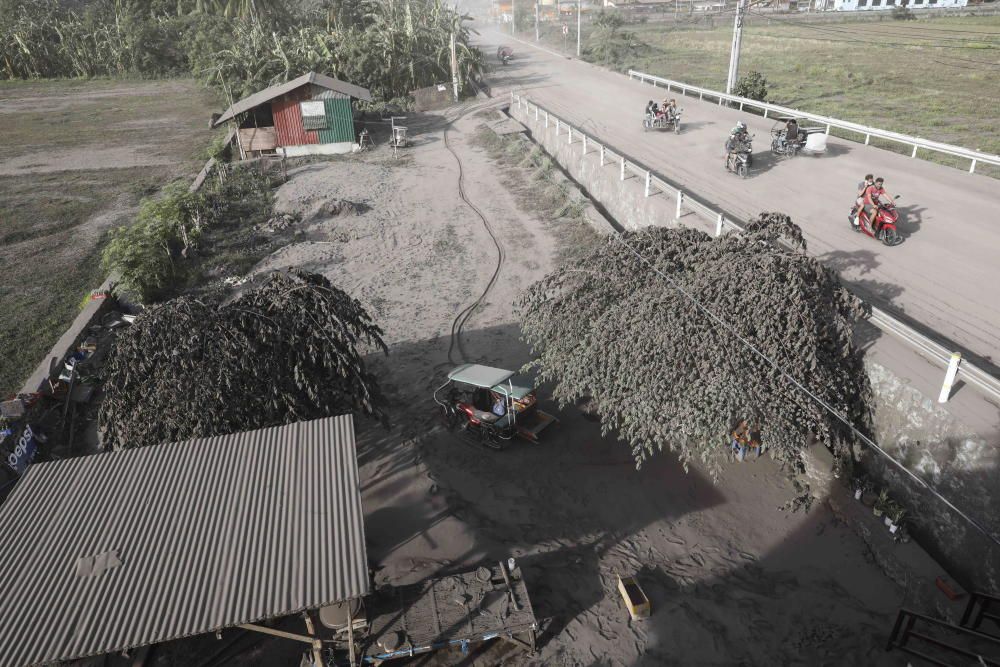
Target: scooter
884,227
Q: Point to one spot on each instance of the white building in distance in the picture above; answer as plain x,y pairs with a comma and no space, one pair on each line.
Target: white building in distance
862,5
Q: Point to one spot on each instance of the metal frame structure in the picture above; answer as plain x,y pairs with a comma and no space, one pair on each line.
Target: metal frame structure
915,142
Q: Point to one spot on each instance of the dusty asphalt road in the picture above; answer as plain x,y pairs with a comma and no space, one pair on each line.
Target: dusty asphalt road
945,276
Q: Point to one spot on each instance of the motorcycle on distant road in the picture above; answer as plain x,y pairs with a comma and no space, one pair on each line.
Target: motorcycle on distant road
884,226
504,54
739,155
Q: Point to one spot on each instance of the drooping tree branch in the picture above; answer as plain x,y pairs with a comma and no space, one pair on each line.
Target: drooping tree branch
289,349
664,374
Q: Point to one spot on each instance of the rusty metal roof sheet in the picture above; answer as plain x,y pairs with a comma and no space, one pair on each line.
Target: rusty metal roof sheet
112,551
271,93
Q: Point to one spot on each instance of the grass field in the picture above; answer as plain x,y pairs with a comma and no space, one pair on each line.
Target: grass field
944,94
78,158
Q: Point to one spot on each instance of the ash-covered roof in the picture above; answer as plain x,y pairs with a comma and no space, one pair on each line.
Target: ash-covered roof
107,552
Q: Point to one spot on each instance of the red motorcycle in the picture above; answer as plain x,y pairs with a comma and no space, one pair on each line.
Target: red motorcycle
884,227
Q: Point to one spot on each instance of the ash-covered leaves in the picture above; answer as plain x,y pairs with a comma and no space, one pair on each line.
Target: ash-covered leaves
663,374
287,350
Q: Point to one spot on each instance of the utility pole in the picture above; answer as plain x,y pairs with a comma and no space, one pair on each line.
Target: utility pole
536,20
454,66
734,54
579,3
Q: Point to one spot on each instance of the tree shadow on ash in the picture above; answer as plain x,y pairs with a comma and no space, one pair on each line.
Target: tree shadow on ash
557,506
878,293
793,604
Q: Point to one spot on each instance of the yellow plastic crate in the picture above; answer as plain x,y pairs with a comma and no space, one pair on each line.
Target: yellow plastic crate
635,598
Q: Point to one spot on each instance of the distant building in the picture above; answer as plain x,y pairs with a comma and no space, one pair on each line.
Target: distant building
861,5
310,115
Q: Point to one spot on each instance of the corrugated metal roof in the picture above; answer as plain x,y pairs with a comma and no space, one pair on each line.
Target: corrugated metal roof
271,93
211,533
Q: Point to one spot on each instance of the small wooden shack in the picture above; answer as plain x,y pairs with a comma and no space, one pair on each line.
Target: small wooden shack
310,115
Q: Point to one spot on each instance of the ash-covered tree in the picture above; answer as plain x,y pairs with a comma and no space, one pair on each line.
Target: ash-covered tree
287,350
664,375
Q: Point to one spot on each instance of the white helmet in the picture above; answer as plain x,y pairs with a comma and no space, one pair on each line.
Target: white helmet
741,125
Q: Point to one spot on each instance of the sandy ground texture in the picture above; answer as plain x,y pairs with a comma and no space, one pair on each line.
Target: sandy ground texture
79,156
732,579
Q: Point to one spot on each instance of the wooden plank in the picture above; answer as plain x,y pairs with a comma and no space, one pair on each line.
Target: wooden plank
258,138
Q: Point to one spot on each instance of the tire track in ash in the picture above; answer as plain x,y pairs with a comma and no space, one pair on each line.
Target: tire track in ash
463,317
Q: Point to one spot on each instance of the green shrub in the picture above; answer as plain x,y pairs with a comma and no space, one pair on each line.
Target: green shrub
902,13
752,85
146,253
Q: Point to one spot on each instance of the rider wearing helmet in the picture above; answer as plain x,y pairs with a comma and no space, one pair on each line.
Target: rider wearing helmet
874,193
738,135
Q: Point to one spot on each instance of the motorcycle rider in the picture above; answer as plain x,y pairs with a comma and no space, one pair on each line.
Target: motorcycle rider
669,108
874,194
791,131
859,201
737,137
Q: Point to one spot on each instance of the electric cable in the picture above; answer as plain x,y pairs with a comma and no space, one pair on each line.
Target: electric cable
826,406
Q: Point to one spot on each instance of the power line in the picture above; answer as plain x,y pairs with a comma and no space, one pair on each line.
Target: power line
826,406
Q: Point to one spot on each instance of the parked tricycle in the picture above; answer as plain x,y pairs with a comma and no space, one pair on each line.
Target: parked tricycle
491,405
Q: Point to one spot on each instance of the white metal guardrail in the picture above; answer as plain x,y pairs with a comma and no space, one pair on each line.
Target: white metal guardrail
916,143
927,348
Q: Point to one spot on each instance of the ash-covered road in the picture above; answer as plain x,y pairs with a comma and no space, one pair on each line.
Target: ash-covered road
946,275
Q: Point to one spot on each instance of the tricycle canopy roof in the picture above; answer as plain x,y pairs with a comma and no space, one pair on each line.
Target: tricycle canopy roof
499,380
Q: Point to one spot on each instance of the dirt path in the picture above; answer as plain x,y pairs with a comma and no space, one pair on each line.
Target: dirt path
733,580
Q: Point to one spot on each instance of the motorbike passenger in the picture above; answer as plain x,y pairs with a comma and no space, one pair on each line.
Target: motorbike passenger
670,108
737,137
499,406
791,131
651,108
874,195
859,201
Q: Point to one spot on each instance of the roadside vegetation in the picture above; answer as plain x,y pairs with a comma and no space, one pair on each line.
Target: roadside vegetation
183,239
528,171
389,46
943,87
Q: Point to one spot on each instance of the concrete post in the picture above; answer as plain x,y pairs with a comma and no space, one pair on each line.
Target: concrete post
569,135
914,151
949,377
972,169
546,120
602,155
623,169
680,199
718,226
557,126
536,113
648,179
584,145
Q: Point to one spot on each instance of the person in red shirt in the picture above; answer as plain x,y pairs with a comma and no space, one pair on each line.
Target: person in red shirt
873,194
